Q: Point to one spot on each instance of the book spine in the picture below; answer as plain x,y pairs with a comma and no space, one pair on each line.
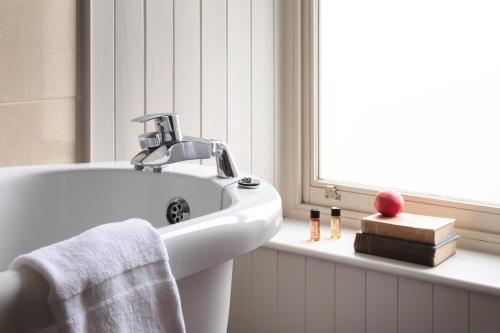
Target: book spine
395,249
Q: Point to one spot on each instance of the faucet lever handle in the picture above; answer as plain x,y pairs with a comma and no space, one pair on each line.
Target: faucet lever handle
167,125
152,116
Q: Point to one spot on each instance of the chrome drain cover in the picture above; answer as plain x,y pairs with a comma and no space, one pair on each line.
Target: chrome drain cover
177,210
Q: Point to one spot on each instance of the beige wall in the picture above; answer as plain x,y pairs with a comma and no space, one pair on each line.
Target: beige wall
38,81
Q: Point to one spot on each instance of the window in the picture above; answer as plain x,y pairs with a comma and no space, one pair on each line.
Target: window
409,96
396,94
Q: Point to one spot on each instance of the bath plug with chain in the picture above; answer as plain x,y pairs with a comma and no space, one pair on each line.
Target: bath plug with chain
249,182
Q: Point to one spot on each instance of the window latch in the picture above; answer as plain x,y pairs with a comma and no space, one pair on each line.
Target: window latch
331,192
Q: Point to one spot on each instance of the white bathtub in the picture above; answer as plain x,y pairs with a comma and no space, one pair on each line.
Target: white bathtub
41,205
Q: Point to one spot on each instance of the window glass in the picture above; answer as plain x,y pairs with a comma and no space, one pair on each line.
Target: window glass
409,95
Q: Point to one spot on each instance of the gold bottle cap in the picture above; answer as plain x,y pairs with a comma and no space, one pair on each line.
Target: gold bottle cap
335,211
315,213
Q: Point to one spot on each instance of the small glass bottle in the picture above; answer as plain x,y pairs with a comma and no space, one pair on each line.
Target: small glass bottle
335,223
315,225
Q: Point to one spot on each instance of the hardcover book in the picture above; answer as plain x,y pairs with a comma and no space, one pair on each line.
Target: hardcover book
419,253
419,228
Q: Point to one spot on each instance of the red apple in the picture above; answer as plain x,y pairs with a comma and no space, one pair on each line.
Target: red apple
389,203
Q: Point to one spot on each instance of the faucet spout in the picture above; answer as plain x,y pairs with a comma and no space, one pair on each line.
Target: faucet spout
177,152
226,168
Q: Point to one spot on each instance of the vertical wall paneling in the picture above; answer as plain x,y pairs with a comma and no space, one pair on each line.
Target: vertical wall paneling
350,283
264,290
241,294
263,89
415,306
213,62
102,129
239,98
291,293
187,62
319,296
283,92
484,313
159,55
129,75
213,70
450,308
381,303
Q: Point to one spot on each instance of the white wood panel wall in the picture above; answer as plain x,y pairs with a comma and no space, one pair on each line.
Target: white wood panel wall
159,43
275,291
129,75
239,81
213,70
213,62
187,65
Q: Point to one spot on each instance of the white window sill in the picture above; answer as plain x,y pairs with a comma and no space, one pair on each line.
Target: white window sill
470,270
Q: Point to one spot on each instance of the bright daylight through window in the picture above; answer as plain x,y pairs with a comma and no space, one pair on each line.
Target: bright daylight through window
409,96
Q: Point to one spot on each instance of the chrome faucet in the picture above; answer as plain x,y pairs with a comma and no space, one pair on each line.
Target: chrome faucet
166,145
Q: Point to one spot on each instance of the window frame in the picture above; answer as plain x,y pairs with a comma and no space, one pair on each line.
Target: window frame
477,224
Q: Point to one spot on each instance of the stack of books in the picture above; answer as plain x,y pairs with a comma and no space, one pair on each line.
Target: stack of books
420,239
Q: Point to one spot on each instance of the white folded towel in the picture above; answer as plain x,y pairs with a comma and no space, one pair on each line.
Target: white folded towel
112,278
